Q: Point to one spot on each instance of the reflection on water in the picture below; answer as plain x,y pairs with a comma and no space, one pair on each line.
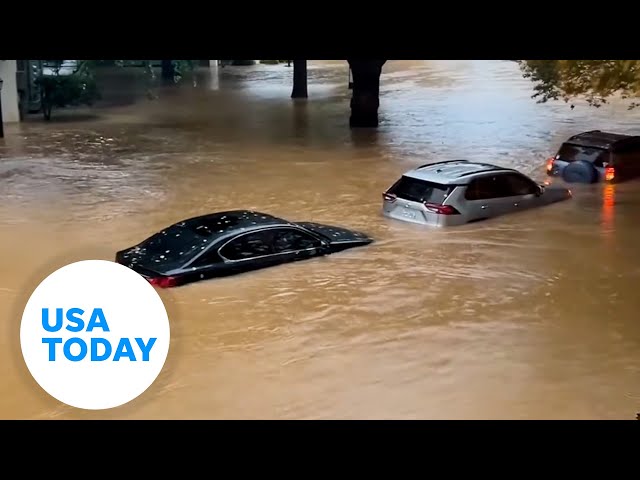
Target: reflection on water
528,316
608,209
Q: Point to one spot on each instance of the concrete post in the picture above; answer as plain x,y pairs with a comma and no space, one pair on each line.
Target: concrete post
9,95
214,75
1,121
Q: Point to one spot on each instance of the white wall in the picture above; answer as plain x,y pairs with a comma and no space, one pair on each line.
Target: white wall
10,111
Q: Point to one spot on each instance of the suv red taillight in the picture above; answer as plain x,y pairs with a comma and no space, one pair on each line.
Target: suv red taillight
441,209
609,173
550,164
163,282
389,197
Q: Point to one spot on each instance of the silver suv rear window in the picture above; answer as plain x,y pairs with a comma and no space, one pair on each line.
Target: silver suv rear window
417,190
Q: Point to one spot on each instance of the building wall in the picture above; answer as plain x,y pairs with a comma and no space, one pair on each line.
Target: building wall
10,111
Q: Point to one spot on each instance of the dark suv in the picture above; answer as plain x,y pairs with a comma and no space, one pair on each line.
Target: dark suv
597,156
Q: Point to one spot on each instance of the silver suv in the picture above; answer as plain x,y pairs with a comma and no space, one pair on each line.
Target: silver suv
456,192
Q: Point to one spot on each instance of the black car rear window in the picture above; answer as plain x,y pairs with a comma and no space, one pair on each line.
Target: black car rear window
417,190
572,153
171,248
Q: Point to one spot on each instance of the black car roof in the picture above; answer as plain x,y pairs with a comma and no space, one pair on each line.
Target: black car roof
604,140
179,243
221,223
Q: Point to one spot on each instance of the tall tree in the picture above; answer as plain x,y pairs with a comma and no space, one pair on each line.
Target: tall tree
594,80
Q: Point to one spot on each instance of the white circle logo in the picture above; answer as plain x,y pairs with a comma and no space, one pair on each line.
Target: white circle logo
95,334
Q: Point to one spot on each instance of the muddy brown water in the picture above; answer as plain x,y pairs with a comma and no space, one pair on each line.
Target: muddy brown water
534,315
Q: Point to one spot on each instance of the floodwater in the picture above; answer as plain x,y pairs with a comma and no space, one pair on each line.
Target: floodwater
530,316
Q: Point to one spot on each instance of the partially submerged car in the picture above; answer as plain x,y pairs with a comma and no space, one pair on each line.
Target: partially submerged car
456,192
596,156
232,242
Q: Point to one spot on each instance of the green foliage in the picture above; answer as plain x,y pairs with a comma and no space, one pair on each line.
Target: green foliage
60,91
79,87
183,66
594,80
180,67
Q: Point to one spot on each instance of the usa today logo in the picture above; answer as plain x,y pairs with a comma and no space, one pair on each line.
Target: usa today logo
95,334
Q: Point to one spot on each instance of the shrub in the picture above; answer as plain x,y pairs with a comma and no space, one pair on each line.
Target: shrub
66,90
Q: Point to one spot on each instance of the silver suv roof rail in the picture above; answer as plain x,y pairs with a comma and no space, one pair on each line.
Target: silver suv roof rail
440,163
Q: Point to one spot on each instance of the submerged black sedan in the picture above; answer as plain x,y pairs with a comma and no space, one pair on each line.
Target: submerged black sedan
227,243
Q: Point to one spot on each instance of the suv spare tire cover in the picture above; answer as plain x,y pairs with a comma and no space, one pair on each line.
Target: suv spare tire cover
580,172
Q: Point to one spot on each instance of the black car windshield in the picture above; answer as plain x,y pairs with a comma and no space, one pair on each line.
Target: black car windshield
171,248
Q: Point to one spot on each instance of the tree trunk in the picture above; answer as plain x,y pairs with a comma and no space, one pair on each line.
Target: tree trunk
46,111
299,79
168,71
365,98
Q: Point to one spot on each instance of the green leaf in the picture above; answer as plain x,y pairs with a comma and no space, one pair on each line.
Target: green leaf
593,80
